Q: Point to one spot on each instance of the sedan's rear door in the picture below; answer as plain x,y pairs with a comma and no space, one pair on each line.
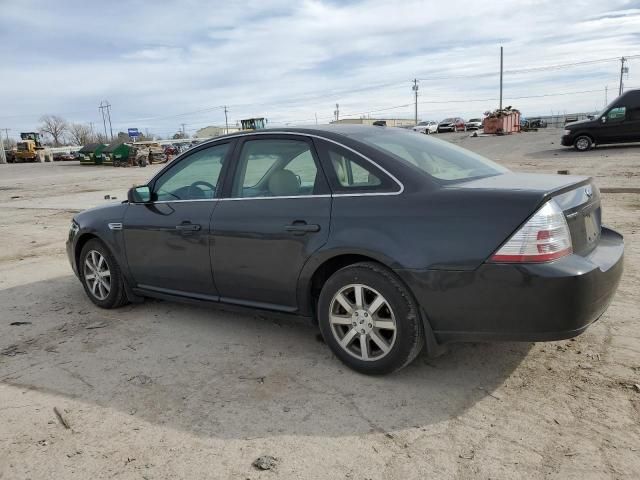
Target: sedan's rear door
275,214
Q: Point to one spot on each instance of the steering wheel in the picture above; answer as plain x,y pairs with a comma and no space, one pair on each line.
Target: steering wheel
193,188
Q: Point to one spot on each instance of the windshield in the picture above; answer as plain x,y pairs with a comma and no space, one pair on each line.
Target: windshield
448,120
474,120
437,158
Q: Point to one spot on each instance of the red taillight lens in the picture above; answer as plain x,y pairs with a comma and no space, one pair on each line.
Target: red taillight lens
543,238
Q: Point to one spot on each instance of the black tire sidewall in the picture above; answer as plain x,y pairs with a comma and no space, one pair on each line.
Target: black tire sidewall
116,293
401,302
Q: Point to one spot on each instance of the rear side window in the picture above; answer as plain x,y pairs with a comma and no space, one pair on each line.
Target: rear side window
276,168
350,173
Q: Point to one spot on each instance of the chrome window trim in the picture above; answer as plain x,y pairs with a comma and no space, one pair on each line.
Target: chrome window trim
332,195
382,169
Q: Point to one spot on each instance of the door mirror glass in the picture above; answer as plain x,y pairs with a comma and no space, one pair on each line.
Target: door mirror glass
141,194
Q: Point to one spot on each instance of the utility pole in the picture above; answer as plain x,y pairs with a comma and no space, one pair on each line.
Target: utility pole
183,133
622,71
104,121
105,111
415,91
226,120
316,118
606,95
336,112
501,78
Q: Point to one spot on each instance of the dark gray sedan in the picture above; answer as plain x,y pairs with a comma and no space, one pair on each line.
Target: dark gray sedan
388,240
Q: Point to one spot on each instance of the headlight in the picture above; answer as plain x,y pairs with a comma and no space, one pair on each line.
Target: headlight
73,229
566,132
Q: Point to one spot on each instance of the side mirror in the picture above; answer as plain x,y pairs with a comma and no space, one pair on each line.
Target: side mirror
603,119
141,194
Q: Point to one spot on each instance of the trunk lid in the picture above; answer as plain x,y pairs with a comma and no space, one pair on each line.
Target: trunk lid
577,196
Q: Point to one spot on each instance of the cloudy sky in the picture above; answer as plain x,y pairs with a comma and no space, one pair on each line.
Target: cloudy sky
161,64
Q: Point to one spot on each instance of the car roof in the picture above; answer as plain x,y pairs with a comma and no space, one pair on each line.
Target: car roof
328,131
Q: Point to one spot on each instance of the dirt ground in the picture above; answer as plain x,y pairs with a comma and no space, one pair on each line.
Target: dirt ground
164,390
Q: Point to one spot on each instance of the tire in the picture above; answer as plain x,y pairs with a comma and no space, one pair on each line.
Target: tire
582,143
394,324
109,292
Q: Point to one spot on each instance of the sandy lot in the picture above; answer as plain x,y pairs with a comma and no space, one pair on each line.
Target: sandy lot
165,390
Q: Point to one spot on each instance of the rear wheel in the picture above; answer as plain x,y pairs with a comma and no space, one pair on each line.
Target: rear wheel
101,276
583,143
369,319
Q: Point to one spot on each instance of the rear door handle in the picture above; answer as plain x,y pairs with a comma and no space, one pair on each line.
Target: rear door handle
301,228
187,227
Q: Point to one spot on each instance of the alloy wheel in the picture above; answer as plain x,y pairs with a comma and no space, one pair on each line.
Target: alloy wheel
582,144
97,275
362,322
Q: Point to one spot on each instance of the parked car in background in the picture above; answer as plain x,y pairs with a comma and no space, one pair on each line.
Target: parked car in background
426,127
387,239
619,122
537,123
454,124
474,124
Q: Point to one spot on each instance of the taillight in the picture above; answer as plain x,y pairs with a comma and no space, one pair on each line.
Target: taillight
543,238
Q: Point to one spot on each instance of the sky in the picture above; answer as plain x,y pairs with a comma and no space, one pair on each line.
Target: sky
161,64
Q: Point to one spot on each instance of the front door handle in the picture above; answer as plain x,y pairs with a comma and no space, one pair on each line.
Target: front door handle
187,227
301,228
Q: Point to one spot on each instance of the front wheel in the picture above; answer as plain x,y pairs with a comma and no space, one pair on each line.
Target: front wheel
101,276
582,143
369,319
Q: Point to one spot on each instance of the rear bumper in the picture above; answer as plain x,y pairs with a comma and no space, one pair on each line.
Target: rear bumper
521,302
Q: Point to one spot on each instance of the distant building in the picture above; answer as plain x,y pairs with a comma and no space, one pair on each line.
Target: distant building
213,131
391,122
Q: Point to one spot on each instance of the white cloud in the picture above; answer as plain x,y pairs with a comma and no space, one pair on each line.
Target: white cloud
288,61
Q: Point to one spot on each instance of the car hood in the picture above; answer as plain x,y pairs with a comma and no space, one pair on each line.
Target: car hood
579,123
103,213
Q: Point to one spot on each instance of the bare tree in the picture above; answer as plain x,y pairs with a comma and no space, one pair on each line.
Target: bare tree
54,126
79,134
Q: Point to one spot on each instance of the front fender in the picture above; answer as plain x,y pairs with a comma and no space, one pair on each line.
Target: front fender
106,224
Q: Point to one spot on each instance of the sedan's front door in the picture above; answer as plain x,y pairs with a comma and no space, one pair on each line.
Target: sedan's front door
276,214
167,240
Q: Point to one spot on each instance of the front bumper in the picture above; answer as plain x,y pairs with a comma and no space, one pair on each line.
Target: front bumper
449,128
521,302
70,254
566,140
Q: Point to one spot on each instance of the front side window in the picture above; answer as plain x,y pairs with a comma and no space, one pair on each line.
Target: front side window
276,168
194,178
439,159
617,114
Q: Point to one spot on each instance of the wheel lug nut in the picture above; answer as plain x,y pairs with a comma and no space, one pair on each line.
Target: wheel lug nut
370,325
362,331
366,314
